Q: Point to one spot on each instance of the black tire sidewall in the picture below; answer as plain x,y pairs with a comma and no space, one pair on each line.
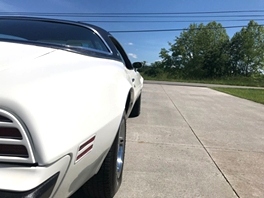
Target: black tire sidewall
117,180
106,182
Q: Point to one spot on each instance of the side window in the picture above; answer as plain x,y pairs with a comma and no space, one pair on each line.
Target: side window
121,53
69,35
98,43
88,39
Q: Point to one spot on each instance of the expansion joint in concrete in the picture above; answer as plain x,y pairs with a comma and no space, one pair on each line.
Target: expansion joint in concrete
201,143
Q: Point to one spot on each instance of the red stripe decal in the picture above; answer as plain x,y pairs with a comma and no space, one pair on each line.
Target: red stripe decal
84,152
86,143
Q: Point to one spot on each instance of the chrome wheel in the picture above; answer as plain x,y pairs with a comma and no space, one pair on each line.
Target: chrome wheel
121,148
107,181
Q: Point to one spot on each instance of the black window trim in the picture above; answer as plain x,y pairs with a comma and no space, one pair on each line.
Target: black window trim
120,49
80,49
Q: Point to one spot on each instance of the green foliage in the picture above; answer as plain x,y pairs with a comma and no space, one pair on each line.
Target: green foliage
232,80
206,52
199,52
247,50
154,70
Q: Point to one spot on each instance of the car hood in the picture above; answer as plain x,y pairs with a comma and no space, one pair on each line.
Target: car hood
12,54
54,93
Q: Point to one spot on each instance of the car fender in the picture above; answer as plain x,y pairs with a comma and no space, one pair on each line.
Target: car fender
58,113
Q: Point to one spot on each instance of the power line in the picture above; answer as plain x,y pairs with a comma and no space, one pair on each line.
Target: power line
247,13
132,16
171,30
166,21
131,13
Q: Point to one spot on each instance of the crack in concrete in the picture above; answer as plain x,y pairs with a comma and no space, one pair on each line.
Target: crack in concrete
162,143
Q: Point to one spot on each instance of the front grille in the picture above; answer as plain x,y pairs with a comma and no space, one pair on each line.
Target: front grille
15,145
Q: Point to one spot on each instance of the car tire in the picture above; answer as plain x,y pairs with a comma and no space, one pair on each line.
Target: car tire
108,179
136,109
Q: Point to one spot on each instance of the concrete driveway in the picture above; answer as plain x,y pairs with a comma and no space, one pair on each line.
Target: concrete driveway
194,142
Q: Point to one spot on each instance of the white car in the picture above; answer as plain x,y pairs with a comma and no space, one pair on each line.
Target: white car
66,90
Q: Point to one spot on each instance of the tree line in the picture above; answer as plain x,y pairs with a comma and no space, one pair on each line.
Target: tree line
206,51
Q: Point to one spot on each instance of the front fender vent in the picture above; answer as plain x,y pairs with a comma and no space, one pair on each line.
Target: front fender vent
4,119
10,133
15,146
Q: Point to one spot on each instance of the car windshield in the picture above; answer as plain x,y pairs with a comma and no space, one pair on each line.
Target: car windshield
69,35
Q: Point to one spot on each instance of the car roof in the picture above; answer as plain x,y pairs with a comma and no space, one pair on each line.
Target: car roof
105,35
98,29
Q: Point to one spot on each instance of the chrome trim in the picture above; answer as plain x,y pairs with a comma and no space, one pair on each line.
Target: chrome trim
120,149
97,33
25,140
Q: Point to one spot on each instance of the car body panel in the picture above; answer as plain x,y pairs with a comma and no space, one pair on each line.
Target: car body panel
51,119
69,101
19,178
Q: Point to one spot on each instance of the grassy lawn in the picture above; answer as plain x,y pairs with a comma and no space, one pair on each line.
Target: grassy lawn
241,81
256,95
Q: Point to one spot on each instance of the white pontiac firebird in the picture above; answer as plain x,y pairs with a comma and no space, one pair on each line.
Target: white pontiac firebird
66,90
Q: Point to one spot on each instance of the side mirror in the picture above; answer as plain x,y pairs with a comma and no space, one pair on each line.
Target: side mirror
137,65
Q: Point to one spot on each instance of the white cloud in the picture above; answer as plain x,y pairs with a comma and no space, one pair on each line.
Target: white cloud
130,43
132,55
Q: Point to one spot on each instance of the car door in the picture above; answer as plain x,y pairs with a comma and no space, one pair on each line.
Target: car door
135,78
137,82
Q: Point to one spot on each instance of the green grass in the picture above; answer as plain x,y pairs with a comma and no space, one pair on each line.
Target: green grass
241,81
256,95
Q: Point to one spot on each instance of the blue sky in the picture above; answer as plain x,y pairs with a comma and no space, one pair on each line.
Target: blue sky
142,46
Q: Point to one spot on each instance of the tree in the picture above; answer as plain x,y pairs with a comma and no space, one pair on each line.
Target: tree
247,50
144,64
166,58
215,50
200,51
154,70
184,51
205,51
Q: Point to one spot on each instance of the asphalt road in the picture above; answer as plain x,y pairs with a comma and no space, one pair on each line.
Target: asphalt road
194,142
